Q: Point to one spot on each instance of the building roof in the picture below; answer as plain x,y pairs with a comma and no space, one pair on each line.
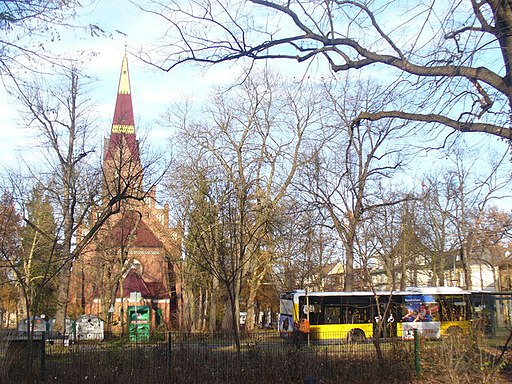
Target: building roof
131,231
144,236
333,268
133,282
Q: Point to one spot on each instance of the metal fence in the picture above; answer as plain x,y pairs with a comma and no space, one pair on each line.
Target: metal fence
261,357
266,358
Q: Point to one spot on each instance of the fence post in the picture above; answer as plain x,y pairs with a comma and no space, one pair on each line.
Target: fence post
416,353
169,351
42,352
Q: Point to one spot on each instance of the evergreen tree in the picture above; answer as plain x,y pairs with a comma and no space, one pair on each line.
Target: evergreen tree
10,224
39,261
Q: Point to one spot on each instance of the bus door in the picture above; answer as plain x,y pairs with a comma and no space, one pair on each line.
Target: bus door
385,319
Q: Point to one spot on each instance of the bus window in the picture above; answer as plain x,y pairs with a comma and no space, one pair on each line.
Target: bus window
358,316
355,312
454,308
313,310
315,313
332,315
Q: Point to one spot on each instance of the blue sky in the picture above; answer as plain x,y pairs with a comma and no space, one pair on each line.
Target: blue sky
152,90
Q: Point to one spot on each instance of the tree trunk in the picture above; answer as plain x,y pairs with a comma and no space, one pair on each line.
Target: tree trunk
464,260
235,314
251,313
441,270
62,299
349,269
212,324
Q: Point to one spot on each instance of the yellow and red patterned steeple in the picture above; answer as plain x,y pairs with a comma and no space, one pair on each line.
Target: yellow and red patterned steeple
122,135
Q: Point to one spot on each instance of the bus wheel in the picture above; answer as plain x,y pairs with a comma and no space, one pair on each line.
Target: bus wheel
454,331
356,336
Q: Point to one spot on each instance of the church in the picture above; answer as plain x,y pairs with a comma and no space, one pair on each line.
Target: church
133,262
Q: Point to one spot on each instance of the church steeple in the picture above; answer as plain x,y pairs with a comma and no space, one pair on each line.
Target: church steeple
124,78
122,134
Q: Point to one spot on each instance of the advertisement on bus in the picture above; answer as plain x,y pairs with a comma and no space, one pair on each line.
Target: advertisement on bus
421,313
286,320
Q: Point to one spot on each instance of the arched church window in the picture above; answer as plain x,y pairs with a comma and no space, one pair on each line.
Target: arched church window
133,264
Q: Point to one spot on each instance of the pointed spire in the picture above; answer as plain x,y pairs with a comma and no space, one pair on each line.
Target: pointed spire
124,78
123,115
123,125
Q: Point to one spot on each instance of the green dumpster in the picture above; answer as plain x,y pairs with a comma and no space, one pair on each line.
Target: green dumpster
138,321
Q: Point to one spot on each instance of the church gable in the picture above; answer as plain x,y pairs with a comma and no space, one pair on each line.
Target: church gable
144,236
131,230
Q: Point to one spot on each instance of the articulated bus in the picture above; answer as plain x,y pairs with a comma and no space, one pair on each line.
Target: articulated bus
357,316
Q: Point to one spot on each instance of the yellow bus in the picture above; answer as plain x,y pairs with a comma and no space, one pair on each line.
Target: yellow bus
358,316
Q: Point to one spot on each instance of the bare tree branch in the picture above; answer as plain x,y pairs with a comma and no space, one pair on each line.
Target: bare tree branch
444,51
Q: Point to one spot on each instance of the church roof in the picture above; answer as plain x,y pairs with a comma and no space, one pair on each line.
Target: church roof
144,236
134,282
131,230
122,134
157,290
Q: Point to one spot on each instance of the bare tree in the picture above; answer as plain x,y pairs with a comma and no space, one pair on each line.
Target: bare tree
456,198
347,166
33,31
29,27
393,239
474,188
303,246
59,112
248,151
453,60
438,202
